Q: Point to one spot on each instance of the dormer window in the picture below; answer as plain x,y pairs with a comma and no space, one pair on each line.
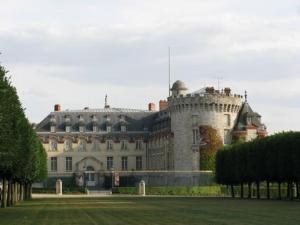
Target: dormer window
95,123
68,123
108,128
123,128
68,129
95,128
53,124
53,129
81,129
81,124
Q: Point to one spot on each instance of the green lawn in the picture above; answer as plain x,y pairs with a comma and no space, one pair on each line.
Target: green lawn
156,211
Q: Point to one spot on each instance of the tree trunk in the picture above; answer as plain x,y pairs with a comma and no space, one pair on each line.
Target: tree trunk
22,192
249,191
4,195
279,190
12,193
26,191
242,190
291,191
297,189
15,193
9,188
288,192
258,190
232,191
268,189
30,191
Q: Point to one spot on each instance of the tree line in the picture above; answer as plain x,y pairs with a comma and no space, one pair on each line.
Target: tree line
274,159
23,159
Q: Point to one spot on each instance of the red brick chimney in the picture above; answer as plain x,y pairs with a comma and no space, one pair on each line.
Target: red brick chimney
163,104
57,108
151,106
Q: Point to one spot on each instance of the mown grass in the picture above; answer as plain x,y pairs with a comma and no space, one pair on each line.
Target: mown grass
154,210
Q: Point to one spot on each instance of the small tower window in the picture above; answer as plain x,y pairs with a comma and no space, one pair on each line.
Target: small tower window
195,136
227,121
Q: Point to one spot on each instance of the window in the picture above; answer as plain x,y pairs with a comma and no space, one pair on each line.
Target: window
52,129
53,164
138,145
109,145
195,136
82,146
68,129
226,137
109,163
139,163
69,164
123,145
124,163
123,128
227,120
53,145
95,145
68,145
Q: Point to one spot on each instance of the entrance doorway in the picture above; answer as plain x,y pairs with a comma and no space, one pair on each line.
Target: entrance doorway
90,176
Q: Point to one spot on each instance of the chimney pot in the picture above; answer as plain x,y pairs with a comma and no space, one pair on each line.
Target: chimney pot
151,106
57,108
163,104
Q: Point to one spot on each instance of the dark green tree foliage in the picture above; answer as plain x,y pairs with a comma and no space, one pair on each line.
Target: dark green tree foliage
273,159
22,157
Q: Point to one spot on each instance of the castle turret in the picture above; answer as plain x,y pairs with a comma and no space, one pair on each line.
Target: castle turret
179,88
189,111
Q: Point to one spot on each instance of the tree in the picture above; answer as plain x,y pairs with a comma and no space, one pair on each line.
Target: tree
210,143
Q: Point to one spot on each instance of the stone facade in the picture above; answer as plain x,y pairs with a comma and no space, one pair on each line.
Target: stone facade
91,143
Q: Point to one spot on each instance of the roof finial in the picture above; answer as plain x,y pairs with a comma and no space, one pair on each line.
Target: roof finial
246,95
106,102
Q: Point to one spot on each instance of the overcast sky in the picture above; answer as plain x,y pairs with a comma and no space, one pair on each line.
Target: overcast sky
73,52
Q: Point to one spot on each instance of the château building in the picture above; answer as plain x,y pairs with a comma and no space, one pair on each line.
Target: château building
160,146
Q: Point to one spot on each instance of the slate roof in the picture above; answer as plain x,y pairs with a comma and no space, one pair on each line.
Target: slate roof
135,120
248,117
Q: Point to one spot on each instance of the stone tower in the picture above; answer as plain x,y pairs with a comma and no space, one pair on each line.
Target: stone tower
218,109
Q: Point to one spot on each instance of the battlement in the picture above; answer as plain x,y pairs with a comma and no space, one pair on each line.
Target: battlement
210,100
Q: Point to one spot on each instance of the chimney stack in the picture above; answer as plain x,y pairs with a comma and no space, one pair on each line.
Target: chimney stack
163,104
227,91
57,108
151,107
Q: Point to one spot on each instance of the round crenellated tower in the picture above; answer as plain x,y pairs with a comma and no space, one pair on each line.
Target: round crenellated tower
210,107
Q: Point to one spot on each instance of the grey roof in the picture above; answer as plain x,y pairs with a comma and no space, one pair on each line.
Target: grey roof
136,120
248,117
